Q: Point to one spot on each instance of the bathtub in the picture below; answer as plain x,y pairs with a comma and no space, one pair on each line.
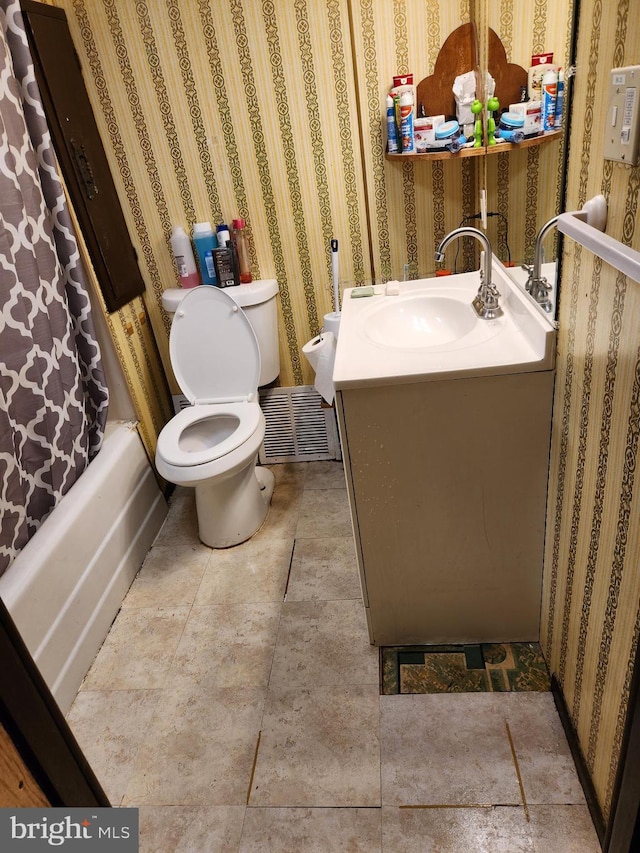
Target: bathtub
66,586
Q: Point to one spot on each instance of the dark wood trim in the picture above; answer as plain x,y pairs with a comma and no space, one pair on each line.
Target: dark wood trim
579,760
81,154
623,831
37,727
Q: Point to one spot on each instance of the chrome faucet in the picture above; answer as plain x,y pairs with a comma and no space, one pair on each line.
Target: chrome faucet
486,301
537,285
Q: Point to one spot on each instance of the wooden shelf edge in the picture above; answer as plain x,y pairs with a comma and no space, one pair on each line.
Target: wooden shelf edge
499,148
438,155
548,136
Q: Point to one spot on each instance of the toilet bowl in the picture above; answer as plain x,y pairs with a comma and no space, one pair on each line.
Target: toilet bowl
213,444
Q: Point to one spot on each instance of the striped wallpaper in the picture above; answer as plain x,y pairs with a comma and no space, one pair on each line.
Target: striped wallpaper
591,599
524,186
273,110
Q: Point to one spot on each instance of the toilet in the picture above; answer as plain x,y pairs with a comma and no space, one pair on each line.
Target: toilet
213,444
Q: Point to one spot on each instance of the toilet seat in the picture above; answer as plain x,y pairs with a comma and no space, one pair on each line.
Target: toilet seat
173,440
216,361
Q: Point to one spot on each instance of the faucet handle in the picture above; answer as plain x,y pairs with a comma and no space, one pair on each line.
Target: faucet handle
491,297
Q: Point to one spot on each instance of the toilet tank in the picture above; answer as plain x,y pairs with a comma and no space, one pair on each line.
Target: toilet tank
259,303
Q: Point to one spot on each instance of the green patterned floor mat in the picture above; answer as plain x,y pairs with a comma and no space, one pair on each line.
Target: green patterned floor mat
482,668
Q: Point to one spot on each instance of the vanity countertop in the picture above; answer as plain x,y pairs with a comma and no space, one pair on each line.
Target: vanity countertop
522,340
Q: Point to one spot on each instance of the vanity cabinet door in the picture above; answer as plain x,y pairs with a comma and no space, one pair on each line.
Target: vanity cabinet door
447,484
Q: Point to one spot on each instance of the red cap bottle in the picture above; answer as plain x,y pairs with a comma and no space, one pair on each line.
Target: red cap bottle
242,248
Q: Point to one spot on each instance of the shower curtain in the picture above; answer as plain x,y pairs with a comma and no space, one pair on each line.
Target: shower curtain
53,393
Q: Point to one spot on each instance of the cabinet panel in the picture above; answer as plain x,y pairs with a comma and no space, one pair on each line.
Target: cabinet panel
448,488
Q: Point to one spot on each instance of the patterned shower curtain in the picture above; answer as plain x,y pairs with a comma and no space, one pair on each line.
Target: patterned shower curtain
53,393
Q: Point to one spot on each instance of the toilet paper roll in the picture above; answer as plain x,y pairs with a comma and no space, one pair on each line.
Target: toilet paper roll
321,353
312,350
332,323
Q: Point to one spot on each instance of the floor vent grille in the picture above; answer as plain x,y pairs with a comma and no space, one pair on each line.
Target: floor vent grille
298,428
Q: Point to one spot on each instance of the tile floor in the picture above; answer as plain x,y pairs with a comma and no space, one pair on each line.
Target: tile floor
238,719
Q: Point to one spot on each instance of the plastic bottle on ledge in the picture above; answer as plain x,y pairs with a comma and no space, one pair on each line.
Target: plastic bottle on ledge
205,242
549,92
406,122
242,246
559,99
392,130
223,236
183,257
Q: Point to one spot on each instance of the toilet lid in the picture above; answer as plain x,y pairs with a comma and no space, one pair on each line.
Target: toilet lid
213,348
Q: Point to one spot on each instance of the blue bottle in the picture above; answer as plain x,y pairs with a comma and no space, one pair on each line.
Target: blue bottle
205,242
392,130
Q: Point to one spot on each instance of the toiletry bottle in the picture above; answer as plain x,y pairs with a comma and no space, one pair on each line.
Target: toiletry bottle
401,83
183,256
549,90
406,122
242,247
205,242
559,99
226,263
223,236
392,131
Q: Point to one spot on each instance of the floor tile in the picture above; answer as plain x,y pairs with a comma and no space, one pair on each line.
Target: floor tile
325,475
181,524
256,570
311,831
199,749
323,513
327,751
563,829
227,645
548,772
319,747
190,829
324,569
446,749
138,650
290,474
284,510
169,577
463,830
110,726
323,643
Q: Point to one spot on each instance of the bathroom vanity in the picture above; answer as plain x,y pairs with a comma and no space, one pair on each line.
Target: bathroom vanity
445,426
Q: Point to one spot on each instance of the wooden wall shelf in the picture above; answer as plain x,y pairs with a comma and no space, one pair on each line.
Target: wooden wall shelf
499,148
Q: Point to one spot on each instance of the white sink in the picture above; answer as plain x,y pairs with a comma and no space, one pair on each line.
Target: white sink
414,321
430,331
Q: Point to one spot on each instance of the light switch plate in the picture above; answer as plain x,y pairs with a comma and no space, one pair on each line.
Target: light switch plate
622,130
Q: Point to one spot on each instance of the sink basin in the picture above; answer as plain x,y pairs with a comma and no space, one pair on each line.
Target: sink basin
430,331
420,320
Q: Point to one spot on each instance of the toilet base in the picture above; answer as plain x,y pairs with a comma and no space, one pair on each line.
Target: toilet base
232,509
